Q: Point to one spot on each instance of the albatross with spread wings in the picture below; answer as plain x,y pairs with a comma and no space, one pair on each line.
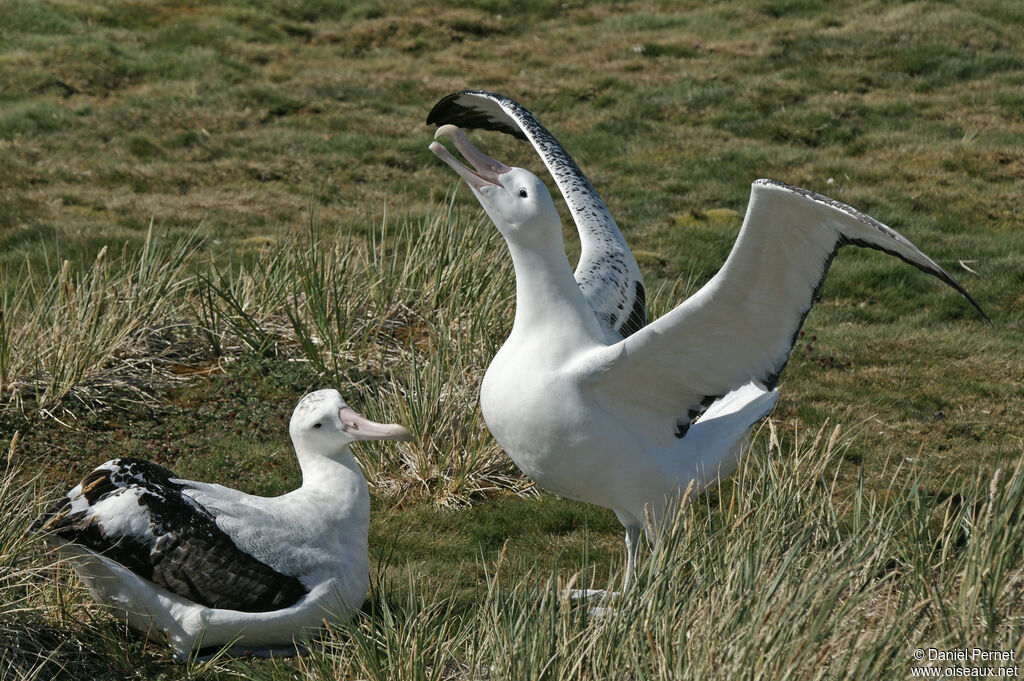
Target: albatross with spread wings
602,412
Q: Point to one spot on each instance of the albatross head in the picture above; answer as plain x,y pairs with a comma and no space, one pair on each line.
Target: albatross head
322,422
516,200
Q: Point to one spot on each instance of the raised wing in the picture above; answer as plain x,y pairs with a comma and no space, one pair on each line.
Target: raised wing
133,512
607,272
741,326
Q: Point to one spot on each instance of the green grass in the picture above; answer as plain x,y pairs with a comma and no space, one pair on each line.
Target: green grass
273,223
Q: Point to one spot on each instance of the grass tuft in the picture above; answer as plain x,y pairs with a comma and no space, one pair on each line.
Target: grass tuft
88,336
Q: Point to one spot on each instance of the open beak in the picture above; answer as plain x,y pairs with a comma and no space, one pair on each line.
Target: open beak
488,170
361,428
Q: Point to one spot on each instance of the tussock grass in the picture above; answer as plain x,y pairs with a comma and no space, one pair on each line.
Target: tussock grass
404,321
808,564
86,336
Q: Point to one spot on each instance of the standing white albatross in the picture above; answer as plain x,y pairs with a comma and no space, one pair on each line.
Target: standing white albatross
207,565
608,421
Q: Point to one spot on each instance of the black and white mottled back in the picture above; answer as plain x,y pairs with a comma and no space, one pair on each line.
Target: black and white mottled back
607,272
135,513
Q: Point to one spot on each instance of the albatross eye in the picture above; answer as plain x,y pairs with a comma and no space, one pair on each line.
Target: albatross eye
522,193
317,425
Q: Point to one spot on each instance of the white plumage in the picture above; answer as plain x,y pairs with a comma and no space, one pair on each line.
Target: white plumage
208,566
617,421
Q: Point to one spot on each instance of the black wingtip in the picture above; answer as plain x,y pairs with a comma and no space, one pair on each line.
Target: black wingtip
974,302
948,278
52,510
437,113
36,526
448,110
936,271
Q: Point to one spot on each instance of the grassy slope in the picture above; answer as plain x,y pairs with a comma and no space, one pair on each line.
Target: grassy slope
237,117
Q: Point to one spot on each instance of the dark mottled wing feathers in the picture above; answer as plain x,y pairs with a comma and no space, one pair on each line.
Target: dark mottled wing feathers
173,541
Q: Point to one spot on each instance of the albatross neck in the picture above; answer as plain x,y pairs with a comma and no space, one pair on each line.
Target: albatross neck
548,299
339,474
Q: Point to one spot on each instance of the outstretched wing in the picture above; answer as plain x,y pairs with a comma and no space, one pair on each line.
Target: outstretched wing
607,272
741,326
133,512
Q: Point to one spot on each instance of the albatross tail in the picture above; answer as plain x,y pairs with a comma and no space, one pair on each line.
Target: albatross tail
719,436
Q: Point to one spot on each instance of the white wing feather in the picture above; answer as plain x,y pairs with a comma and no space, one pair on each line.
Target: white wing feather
740,327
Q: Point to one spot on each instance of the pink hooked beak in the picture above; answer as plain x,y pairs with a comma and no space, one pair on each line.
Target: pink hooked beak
488,170
361,428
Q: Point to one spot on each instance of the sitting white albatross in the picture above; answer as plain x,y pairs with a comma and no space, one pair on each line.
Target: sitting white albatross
609,420
206,565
